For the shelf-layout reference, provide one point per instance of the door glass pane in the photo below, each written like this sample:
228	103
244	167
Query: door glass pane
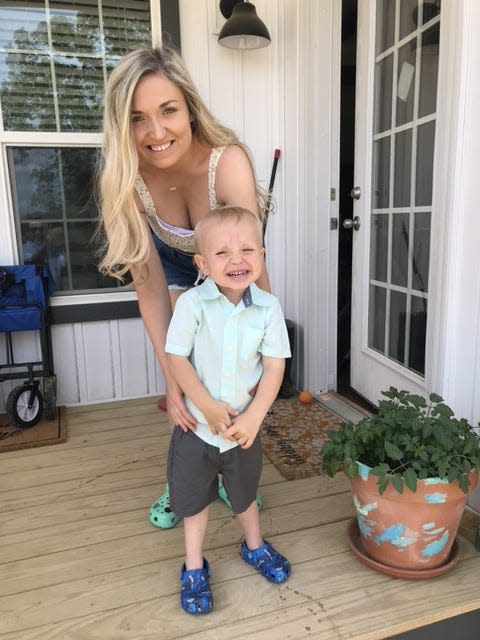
385	17
424	173
401	197
377	314
379	247
53	65
400	244
421	251
408	17
427	102
431	10
406	82
403	169
418	334
381	174
397	322
383	94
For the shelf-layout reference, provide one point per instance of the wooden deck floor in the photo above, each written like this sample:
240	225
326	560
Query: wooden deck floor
80	561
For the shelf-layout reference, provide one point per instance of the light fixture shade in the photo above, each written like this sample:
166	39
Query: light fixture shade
244	29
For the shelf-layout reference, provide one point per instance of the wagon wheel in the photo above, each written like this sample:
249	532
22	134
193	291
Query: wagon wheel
25	405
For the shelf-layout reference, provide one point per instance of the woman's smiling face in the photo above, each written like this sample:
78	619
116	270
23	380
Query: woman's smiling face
160	122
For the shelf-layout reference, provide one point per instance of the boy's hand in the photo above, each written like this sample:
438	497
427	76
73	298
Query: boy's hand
243	431
218	416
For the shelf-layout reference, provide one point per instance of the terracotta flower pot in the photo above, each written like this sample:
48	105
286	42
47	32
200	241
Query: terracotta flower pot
412	530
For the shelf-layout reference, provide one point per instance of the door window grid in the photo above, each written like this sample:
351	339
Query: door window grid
415	300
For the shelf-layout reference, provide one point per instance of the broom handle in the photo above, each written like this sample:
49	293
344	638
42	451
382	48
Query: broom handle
276	156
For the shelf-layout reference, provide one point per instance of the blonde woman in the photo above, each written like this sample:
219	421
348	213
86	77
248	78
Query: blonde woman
166	162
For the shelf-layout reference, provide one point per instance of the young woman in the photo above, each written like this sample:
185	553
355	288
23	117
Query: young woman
166	163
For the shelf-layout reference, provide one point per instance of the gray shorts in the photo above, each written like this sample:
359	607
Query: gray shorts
192	470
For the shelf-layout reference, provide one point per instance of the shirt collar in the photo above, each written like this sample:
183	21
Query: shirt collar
208	290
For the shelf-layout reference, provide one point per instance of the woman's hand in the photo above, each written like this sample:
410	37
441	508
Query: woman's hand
177	410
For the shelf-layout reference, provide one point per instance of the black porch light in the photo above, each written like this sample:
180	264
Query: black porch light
243	28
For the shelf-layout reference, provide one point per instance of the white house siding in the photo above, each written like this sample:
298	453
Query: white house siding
111	360
455	311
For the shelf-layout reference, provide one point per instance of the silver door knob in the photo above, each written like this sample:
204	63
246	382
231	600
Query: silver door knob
349	223
355	193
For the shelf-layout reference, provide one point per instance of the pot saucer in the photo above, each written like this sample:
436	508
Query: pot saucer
355	543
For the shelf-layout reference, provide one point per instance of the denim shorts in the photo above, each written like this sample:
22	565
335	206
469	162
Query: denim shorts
180	270
193	466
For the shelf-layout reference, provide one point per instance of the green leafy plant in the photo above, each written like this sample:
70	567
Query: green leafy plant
409	439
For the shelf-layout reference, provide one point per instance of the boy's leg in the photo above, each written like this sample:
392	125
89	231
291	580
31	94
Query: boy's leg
241	474
195	528
250	522
195	595
192	475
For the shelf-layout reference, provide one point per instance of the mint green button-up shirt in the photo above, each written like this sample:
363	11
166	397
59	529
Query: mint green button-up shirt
225	344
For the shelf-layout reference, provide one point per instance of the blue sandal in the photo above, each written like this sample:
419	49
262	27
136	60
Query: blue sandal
160	514
268	562
222	494
195	596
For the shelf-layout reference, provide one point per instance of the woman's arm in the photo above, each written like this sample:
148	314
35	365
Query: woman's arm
156	312
235	185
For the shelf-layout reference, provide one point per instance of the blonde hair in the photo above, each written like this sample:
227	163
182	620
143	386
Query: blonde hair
125	236
221	215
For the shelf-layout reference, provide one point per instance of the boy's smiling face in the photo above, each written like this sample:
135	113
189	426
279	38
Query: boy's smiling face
231	253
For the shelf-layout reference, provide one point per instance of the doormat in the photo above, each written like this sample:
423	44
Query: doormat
43	433
293	435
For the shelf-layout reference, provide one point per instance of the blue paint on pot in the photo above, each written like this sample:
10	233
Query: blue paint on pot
363	470
431	481
430	530
435	547
365	528
391	533
398	535
435	498
363	510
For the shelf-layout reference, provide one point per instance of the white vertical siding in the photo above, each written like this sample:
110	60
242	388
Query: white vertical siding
103	361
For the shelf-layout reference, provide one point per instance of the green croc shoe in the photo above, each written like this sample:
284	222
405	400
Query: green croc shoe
160	514
222	494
